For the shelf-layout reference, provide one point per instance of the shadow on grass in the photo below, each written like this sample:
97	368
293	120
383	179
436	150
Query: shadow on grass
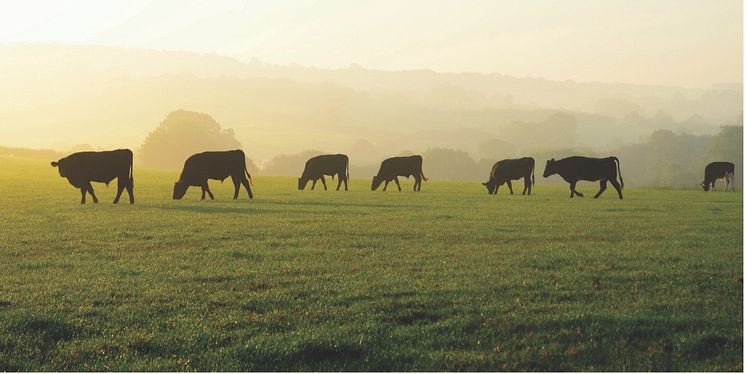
345	204
43	330
221	209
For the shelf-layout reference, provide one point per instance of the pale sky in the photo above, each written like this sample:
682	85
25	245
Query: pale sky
692	43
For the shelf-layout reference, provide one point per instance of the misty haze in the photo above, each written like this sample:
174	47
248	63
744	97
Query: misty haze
371	185
102	97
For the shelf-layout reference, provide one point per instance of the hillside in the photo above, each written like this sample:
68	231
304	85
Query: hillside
285	109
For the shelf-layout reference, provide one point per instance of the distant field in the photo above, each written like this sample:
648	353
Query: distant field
446	279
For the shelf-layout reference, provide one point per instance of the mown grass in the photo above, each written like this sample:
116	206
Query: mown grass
446	279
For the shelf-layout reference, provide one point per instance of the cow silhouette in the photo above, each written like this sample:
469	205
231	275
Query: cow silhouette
577	168
394	167
200	167
504	171
317	167
719	170
82	168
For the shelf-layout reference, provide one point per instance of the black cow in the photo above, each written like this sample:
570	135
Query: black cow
82	168
393	167
578	168
319	166
200	167
511	169
719	170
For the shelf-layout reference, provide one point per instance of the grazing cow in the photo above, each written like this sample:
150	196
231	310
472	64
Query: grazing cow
82	168
719	170
200	167
319	166
394	167
578	168
511	169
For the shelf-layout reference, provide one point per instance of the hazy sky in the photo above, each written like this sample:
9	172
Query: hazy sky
668	42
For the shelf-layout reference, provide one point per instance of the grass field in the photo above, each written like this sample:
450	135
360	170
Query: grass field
446	279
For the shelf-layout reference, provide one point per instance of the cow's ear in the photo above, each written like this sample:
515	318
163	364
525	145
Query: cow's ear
552	160
54	164
484	184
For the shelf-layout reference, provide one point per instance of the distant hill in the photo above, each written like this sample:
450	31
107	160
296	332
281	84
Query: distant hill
61	95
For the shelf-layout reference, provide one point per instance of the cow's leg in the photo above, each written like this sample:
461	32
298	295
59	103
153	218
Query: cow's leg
416	184
314	184
323	182
247	186
617	187
396	180
207	188
573	191
82	194
236	187
130	186
90	191
602	189
525	188
385	184
120	189
345	182
339	181
203	193
510	186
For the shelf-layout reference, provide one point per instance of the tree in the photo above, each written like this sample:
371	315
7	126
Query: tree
182	134
728	145
289	165
449	164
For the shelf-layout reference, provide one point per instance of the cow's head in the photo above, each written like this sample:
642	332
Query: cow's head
376	182
302	182
549	169
705	186
491	187
60	167
180	189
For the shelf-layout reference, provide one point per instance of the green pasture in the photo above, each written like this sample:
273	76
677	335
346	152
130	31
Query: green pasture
449	278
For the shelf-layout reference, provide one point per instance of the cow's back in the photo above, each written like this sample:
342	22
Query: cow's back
512	168
404	165
718	168
588	168
213	165
102	166
326	164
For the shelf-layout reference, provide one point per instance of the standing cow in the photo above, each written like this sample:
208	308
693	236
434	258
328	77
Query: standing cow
719	170
578	168
82	168
511	169
394	167
319	166
200	167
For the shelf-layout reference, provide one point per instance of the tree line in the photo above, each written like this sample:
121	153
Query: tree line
666	159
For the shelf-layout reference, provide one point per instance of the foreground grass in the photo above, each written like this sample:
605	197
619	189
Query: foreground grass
446	279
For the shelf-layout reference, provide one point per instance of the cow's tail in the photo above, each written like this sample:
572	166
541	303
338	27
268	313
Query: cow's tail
347	167
247	174
132	177
619	171
533	174
424	178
